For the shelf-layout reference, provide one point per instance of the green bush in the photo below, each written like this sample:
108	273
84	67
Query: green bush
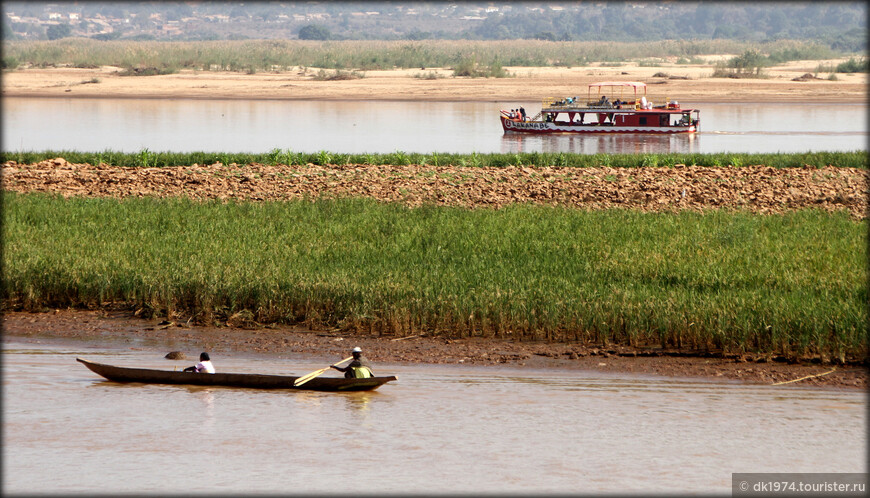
10	63
854	66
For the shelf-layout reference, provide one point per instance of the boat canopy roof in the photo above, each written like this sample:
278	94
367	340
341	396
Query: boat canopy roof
631	84
635	84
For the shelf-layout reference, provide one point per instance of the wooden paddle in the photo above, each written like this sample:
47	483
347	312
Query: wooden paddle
305	378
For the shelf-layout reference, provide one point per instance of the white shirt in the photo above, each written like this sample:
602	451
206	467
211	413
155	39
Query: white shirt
205	366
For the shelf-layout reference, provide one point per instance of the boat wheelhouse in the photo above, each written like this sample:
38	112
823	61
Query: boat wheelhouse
609	107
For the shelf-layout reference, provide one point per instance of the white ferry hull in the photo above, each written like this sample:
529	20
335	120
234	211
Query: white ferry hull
543	127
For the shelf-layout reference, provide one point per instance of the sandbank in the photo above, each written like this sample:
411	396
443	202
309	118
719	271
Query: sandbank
688	83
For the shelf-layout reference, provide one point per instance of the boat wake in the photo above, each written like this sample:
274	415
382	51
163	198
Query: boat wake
787	133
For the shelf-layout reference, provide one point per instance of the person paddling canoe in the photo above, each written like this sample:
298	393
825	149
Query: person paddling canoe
204	365
359	368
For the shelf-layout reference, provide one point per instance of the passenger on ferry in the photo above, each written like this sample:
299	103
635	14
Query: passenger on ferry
523	113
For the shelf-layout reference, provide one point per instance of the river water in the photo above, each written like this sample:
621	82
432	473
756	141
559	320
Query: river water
256	126
439	429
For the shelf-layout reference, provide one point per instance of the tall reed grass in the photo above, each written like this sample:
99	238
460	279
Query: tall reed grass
148	158
792	283
266	55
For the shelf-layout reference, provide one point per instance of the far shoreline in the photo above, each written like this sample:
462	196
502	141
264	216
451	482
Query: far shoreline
34	95
686	84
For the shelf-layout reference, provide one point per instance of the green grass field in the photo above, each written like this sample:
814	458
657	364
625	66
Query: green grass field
793	283
147	158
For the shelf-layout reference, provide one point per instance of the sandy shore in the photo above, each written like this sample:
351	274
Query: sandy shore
526	84
99	328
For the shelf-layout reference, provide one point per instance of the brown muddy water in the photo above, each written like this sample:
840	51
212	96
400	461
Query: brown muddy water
357	127
439	429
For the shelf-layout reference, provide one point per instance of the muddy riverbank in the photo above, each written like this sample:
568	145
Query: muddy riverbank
756	188
122	327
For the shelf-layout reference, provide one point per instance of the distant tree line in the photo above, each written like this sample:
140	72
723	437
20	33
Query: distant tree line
842	26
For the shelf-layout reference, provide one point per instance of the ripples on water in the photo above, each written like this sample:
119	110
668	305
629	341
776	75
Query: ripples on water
129	125
438	429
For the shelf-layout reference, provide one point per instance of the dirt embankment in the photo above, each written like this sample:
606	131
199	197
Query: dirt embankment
756	188
118	327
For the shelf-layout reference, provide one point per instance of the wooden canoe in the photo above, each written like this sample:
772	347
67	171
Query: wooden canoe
253	381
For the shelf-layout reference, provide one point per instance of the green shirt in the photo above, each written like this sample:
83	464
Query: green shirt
359	368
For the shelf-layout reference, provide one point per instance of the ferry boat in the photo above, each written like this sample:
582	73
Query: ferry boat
632	113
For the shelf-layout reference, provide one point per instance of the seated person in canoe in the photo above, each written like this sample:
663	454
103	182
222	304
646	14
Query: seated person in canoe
204	365
359	368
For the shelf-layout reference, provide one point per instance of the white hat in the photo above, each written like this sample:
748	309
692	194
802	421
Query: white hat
356	350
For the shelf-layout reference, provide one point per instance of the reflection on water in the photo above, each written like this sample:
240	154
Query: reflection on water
206	410
359	401
601	143
439	429
129	125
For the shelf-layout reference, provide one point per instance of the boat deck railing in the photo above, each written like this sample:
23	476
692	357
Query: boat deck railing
572	104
